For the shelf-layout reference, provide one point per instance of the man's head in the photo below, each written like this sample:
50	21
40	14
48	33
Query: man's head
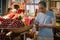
16	7
42	6
9	9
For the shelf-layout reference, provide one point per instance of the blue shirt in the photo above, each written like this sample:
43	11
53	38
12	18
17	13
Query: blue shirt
45	19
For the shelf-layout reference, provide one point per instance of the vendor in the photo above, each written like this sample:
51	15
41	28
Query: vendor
19	11
9	10
46	20
10	13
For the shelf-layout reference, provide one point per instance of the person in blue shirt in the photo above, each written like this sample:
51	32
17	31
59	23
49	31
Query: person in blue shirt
46	20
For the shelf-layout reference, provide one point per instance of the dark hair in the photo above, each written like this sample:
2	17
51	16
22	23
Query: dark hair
16	7
50	10
43	3
9	9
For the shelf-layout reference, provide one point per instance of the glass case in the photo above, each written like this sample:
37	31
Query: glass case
32	5
37	1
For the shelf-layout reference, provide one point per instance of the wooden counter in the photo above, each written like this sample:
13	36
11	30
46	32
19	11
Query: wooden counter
21	29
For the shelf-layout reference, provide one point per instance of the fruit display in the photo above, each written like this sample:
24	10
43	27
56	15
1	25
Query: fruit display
11	23
57	24
16	23
5	23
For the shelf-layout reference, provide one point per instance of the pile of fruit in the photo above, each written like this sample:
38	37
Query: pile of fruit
57	24
11	23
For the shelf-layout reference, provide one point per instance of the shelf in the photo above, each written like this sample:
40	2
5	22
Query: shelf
58	20
58	27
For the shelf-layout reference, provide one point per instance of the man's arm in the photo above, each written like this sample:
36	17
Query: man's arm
53	24
53	20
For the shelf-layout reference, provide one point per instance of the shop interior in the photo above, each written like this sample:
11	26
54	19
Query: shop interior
28	10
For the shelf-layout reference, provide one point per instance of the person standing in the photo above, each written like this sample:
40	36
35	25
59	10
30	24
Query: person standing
46	20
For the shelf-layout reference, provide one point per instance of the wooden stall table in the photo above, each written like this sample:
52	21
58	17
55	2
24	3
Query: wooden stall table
21	30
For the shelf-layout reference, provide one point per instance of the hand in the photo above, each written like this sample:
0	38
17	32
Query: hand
41	25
